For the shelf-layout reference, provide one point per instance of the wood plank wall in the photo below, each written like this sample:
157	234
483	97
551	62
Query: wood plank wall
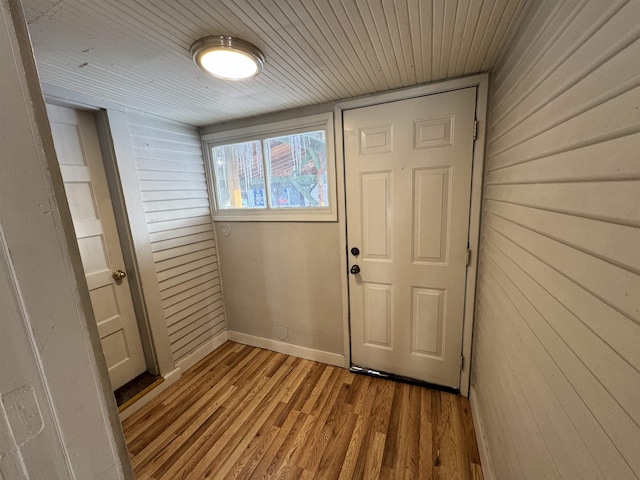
171	175
557	341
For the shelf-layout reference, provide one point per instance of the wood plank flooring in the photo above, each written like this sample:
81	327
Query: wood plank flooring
244	412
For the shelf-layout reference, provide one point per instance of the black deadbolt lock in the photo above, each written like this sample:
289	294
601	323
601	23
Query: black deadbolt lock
355	251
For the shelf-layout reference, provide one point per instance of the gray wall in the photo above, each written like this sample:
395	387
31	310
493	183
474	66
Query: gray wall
283	274
556	353
171	179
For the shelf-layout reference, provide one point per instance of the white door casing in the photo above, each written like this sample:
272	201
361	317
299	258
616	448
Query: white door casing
408	168
78	151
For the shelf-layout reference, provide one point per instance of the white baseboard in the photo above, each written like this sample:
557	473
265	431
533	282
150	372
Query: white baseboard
288	349
202	351
169	379
485	458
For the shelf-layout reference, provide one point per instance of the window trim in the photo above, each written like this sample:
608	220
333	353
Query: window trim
261	132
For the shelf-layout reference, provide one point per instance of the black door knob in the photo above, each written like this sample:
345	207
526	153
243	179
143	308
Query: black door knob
355	251
355	269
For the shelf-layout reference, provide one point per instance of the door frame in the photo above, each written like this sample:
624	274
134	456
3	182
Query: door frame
52	303
119	164
481	82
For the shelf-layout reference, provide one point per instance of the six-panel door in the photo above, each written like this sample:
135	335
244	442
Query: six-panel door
408	182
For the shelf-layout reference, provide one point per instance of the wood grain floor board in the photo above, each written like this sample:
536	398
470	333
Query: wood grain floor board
247	413
183	396
425	462
355	443
191	453
266	411
237	429
289	466
184	424
413	439
191	415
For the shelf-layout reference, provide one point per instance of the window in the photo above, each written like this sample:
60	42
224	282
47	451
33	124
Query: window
281	171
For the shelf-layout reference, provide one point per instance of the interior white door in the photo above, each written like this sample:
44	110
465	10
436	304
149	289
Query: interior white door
78	150
408	183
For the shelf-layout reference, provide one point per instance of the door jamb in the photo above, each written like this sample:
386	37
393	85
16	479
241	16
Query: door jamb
481	82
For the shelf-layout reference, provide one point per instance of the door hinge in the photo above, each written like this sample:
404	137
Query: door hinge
475	130
461	362
468	257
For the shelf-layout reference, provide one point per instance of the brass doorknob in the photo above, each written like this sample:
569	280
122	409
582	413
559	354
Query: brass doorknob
118	274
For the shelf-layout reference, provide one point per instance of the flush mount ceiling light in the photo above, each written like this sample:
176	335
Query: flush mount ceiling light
228	58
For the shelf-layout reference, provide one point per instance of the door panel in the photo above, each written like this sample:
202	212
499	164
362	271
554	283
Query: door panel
78	151
431	217
408	183
378	316
427	321
376	198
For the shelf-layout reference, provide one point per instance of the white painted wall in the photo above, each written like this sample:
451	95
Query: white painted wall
58	417
175	199
556	364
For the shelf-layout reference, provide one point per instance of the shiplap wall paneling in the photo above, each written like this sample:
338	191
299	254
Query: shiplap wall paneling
171	174
556	357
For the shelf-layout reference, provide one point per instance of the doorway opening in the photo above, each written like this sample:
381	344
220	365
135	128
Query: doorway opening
410	222
109	274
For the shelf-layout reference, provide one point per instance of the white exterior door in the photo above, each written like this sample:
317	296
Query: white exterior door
76	141
408	184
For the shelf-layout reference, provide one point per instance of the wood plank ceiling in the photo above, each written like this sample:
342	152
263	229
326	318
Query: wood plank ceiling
136	52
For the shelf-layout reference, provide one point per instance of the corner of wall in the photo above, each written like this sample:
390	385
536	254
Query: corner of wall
485	457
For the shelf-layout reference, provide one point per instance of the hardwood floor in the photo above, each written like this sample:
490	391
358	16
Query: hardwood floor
244	412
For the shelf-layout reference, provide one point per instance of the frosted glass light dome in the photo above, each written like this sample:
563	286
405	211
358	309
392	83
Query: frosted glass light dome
227	57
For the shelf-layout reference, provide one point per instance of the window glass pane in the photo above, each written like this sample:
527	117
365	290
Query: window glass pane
239	175
297	167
